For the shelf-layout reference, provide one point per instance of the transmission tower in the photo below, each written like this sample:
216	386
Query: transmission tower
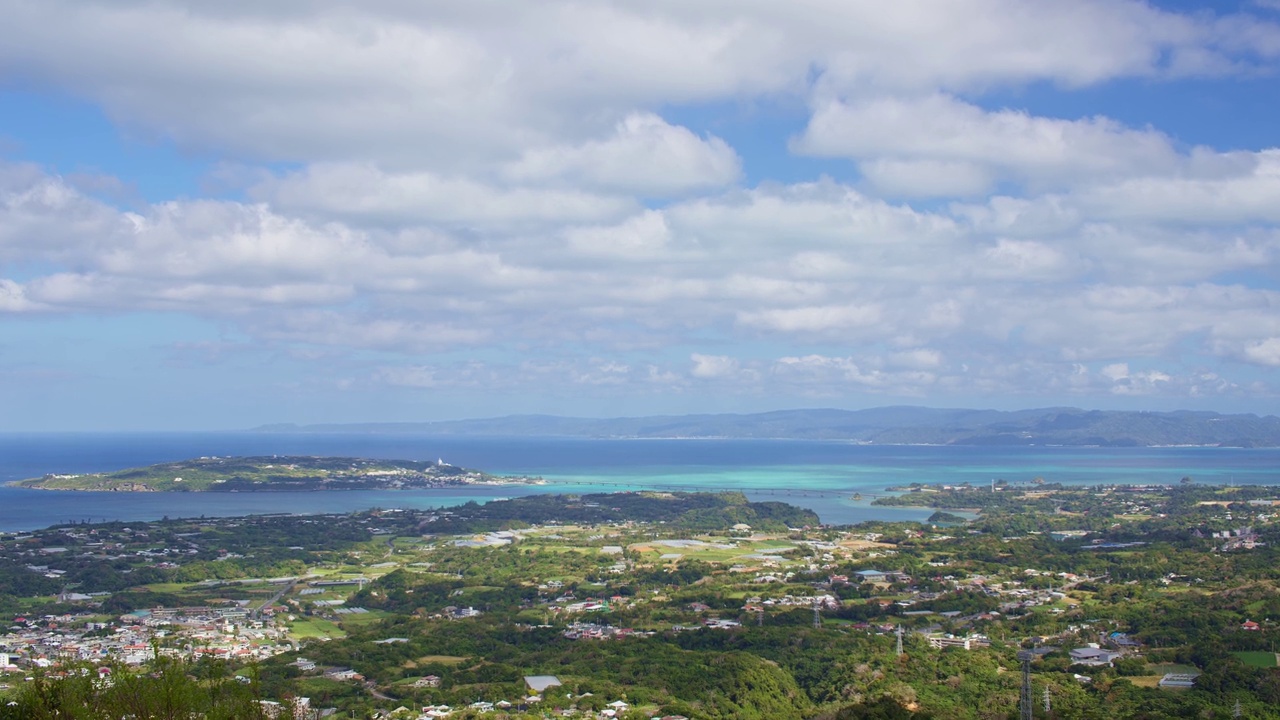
1047	709
899	634
817	615
1237	711
1024	703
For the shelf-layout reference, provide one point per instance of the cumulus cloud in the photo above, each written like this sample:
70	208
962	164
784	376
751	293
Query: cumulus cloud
813	319
363	193
941	145
712	366
1264	352
645	156
1234	188
646	235
944	288
425	181
338	80
13	297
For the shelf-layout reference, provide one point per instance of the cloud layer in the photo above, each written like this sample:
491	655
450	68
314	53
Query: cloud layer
499	198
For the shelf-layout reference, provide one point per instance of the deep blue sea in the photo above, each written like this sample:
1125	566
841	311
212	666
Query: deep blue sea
816	474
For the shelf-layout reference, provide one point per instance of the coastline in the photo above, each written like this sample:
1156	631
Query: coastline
531	482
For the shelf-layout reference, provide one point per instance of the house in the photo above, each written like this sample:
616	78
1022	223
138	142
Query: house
968	643
1093	656
539	683
1250	625
1122	640
429	681
1177	680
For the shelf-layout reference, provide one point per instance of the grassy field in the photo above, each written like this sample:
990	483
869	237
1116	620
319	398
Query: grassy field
1161	670
1257	658
315	627
443	659
1158	671
365	618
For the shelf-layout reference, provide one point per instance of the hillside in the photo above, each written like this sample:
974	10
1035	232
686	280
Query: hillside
888	425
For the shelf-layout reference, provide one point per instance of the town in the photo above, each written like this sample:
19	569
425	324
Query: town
1155	600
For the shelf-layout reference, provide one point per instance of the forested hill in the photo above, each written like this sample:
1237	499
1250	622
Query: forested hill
888	425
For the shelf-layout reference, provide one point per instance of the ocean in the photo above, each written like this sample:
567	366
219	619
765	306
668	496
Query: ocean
821	475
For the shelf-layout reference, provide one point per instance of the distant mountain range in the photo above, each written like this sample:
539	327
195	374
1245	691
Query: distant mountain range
881	426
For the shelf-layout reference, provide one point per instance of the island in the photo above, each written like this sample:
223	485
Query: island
276	473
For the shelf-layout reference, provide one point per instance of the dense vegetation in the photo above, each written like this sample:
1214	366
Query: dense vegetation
657	600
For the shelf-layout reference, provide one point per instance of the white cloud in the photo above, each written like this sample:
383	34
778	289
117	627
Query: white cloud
645	156
938	144
933	301
1116	371
712	366
1023	259
13	298
414	376
822	374
919	358
814	319
1264	352
1234	188
434	85
643	236
927	177
363	193
551	187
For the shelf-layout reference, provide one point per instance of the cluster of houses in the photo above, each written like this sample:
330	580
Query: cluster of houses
1240	539
596	631
224	632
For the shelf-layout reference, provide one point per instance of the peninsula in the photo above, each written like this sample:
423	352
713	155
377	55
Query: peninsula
276	473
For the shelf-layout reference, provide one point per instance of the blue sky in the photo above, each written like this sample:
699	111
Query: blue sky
223	216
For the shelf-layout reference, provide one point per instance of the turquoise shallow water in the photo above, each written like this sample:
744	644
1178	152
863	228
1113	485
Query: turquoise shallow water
819	475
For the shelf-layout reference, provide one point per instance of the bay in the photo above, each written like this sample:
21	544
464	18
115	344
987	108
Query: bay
821	475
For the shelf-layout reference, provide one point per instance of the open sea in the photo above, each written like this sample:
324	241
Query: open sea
820	475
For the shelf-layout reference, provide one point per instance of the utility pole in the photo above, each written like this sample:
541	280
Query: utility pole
1024	703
